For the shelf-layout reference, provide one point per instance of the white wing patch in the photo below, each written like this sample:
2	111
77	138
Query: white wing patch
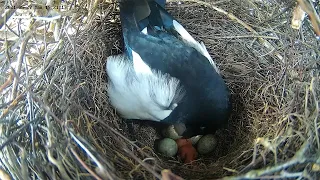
188	39
139	65
145	96
145	31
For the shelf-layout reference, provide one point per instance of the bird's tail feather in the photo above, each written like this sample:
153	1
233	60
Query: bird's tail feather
138	14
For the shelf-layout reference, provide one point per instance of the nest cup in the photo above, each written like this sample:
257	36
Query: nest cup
57	123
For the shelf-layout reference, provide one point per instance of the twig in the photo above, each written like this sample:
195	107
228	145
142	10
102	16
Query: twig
54	160
317	110
126	150
20	60
85	147
264	42
254	159
18	98
308	7
84	164
15	134
45	107
53	52
145	165
92	9
243	36
8	81
283	176
299	157
12	105
24	166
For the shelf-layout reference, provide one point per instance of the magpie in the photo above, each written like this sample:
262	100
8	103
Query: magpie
164	74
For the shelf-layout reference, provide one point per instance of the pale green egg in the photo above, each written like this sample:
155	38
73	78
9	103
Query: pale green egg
206	144
167	147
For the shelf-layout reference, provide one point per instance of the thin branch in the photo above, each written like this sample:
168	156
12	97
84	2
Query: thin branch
298	158
20	60
264	42
308	7
84	164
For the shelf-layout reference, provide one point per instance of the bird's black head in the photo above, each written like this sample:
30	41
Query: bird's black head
202	116
206	105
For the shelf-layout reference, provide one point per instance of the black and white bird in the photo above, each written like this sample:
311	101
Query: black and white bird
164	74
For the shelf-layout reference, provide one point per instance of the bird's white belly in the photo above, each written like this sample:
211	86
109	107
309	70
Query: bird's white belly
141	93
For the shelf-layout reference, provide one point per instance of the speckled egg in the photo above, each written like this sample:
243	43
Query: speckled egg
206	144
167	147
169	132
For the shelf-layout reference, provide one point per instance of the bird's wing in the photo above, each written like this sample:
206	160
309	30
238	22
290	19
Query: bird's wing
150	18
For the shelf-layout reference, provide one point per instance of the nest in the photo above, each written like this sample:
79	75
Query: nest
56	121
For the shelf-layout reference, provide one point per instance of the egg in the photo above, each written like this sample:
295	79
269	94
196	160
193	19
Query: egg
206	144
170	132
195	139
167	147
187	153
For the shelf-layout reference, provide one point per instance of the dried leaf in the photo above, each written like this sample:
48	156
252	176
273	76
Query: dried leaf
298	16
